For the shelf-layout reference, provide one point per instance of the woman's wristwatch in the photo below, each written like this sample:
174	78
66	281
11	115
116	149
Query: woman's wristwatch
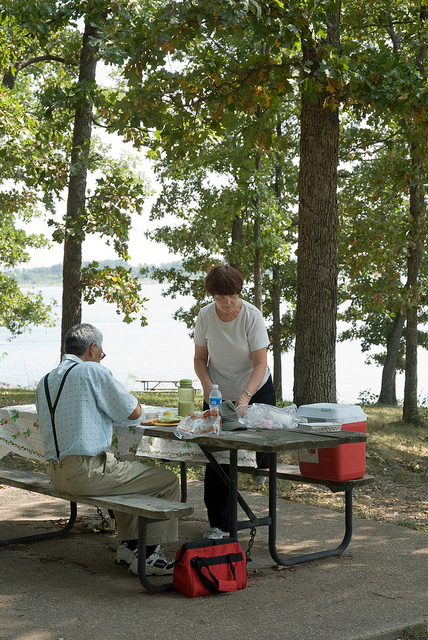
247	393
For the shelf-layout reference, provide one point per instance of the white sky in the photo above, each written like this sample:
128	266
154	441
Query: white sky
141	250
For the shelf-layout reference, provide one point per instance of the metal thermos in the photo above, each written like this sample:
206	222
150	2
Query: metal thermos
186	397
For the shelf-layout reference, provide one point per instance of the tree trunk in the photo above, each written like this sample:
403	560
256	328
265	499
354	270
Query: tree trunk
316	307
258	298
410	404
416	247
276	292
276	330
417	205
74	232
388	394
237	236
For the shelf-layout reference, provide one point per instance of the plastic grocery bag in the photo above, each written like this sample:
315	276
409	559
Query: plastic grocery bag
197	424
265	416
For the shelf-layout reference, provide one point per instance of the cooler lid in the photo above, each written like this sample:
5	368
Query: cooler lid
332	412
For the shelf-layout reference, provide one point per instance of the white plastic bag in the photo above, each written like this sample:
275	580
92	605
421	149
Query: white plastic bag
265	416
197	424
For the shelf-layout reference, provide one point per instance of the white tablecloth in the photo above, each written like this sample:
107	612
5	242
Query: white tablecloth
20	433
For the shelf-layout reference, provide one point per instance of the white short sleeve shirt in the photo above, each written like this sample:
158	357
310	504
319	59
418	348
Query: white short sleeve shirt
91	400
230	346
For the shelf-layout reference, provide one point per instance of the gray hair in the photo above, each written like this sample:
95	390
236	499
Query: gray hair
80	337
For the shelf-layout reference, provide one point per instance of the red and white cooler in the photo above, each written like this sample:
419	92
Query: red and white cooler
345	462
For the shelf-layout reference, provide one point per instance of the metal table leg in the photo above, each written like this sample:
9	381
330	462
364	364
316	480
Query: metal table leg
48	534
183	481
233	494
142	546
235	498
307	557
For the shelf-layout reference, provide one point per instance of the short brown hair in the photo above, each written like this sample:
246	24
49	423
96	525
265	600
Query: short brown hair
223	280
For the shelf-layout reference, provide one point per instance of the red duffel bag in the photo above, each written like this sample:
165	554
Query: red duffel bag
210	566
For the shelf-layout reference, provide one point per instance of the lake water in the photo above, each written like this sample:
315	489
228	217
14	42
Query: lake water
164	350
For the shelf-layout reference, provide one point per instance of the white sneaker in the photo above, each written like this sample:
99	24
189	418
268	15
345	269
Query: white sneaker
215	534
156	565
124	555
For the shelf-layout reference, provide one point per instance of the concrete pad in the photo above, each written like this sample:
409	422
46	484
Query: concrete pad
69	588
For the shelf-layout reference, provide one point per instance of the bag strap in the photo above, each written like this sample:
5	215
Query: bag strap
52	408
209	580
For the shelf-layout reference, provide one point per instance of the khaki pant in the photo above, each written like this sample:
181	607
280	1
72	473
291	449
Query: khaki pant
104	475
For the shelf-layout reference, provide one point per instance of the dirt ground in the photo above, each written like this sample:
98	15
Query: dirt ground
70	589
384	501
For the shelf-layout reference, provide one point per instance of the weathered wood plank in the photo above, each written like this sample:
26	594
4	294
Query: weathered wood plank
292	472
138	504
268	440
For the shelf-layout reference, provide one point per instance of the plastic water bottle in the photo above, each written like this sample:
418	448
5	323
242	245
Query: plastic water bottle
215	397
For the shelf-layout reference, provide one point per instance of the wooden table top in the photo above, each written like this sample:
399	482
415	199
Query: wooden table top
268	440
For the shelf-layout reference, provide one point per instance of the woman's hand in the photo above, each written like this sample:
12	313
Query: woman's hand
242	400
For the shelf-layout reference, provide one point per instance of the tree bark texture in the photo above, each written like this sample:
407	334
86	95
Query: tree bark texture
258	297
76	200
276	331
316	307
416	247
388	391
237	238
276	293
417	207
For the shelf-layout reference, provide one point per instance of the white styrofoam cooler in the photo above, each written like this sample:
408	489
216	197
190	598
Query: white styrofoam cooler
345	462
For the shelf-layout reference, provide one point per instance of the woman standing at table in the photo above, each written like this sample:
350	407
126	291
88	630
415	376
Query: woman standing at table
230	350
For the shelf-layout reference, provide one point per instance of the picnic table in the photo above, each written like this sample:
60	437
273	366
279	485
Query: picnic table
159	385
19	432
162	385
272	442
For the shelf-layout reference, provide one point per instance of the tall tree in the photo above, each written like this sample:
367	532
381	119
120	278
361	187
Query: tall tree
315	352
18	200
227	58
393	87
418	145
79	162
50	48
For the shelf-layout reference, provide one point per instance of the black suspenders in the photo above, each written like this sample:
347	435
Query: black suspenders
52	408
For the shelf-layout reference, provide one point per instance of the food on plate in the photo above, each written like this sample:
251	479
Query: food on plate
168	419
169	416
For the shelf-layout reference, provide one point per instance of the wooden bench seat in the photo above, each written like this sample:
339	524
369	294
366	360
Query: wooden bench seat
292	472
147	508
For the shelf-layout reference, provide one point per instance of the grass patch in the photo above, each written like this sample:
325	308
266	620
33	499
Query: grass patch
10	397
420	632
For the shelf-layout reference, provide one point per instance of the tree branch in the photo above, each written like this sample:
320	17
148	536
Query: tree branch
10	77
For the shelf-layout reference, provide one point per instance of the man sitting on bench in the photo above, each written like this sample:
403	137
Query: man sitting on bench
77	404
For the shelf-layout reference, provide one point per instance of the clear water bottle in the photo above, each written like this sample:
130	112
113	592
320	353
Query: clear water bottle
215	397
186	397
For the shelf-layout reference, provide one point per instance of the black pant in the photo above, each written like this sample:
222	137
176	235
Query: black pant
216	494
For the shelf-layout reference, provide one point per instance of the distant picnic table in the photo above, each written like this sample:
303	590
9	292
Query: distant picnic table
161	385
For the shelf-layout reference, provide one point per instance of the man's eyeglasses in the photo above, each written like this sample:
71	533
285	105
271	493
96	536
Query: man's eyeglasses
103	355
